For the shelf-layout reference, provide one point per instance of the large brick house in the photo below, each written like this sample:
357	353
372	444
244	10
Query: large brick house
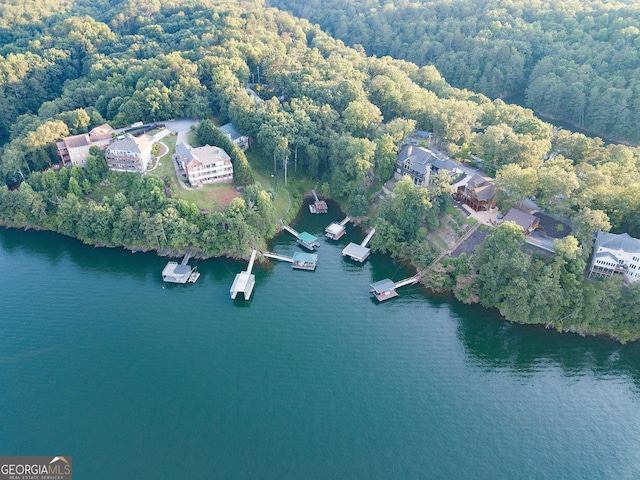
74	150
204	164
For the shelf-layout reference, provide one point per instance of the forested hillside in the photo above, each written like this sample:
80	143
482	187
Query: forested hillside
576	60
340	115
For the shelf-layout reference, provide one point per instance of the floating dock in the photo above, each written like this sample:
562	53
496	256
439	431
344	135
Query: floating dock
336	230
175	272
299	261
361	252
244	281
386	289
319	206
305	239
304	261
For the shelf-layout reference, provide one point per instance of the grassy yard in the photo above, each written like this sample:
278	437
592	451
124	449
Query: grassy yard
262	170
218	196
208	197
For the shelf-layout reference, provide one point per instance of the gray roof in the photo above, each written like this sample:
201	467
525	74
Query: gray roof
622	242
205	155
444	165
383	286
420	158
482	187
355	250
230	129
182	269
131	144
184	150
608	255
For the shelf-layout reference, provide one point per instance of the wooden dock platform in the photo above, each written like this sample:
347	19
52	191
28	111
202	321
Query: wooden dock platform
244	281
318	206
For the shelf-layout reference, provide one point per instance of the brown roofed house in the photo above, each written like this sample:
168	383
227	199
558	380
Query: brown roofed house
478	193
74	149
527	221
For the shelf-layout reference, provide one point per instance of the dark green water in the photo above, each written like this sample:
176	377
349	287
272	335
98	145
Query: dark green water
310	379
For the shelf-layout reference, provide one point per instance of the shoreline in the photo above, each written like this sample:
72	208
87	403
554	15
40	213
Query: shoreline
359	223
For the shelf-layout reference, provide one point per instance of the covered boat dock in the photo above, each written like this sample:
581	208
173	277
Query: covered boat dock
336	230
383	290
244	281
175	272
361	252
304	261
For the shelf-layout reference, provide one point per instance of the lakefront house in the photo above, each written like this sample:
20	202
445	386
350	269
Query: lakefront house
204	164
74	150
616	255
478	193
230	131
129	154
420	163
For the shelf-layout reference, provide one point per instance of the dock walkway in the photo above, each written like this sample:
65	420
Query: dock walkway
244	281
277	256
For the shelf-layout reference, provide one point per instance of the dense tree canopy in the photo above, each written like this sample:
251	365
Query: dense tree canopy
575	60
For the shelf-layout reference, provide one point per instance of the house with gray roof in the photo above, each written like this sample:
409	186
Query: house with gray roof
129	154
616	255
204	164
478	193
525	220
416	163
235	136
420	163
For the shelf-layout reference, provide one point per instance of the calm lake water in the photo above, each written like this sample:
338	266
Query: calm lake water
311	379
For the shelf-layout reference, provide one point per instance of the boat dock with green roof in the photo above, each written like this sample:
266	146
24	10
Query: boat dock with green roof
305	239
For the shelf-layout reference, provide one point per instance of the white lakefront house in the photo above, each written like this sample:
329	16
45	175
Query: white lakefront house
616	255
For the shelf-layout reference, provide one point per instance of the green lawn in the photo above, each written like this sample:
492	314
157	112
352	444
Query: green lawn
262	170
165	169
212	196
